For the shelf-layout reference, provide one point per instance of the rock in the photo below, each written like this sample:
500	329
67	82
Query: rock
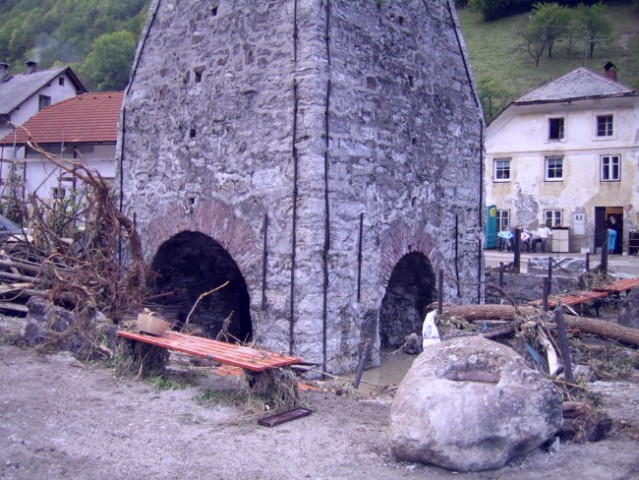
471	404
629	310
412	344
583	373
57	327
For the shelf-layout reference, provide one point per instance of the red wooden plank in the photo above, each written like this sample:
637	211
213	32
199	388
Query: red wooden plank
248	358
570	300
619	286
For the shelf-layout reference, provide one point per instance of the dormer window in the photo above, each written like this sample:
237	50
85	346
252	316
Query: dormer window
556	128
43	101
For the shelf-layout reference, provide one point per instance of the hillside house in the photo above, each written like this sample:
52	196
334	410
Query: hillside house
566	155
24	95
82	128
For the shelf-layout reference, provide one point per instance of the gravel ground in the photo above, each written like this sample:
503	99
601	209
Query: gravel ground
63	419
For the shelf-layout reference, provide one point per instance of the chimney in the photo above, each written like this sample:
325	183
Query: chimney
31	67
4	70
610	71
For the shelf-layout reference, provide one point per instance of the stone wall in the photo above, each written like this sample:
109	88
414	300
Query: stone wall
318	142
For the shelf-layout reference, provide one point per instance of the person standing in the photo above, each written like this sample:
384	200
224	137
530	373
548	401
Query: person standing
611	226
544	233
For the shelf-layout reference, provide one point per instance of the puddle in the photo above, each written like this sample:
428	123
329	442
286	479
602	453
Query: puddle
392	370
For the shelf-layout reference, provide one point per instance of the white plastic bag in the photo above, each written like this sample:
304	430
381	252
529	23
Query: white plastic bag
430	334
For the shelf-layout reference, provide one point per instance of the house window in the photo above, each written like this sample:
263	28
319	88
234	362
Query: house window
503	219
502	169
554	168
43	101
604	126
610	168
553	218
58	193
555	128
61	81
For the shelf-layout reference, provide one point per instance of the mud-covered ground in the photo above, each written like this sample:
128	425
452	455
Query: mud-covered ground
64	419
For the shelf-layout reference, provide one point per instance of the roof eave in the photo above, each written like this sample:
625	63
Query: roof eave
76	80
574	99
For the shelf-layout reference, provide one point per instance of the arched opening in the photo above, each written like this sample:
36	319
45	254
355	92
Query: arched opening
190	264
411	288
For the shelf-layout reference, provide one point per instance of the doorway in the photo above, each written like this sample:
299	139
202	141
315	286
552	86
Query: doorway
411	288
602	214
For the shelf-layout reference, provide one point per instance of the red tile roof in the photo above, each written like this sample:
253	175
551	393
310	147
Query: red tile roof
87	118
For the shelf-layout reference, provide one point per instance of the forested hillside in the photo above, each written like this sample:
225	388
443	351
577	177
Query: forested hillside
509	55
96	37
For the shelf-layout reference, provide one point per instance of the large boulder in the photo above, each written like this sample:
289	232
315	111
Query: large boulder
629	310
471	404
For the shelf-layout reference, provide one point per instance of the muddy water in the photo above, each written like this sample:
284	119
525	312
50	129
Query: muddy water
391	372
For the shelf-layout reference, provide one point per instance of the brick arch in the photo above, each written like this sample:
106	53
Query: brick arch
402	241
409	291
217	220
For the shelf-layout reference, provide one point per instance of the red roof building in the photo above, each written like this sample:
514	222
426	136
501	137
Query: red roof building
87	118
82	128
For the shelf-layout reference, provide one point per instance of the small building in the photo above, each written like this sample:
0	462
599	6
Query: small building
566	155
82	128
24	95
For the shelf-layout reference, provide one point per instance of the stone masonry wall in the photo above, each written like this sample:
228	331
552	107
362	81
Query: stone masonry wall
283	129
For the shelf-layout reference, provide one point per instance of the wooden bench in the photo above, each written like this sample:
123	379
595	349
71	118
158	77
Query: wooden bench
254	359
569	299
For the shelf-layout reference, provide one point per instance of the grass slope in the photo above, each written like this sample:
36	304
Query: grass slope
506	73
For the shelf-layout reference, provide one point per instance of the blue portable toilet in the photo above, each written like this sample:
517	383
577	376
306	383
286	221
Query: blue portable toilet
490	227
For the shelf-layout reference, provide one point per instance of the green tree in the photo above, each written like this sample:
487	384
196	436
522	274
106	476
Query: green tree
592	22
549	22
494	97
108	64
495	9
532	43
51	31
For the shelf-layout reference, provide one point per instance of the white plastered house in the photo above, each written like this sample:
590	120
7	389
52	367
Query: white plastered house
567	154
81	129
23	95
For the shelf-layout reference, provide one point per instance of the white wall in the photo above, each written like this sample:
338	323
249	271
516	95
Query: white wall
57	92
42	176
524	138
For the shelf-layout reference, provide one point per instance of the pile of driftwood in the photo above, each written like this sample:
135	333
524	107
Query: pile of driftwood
71	251
509	315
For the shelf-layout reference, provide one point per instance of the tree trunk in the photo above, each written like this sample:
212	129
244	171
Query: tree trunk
601	328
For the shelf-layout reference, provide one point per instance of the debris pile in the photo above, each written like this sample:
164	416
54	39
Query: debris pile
596	349
70	254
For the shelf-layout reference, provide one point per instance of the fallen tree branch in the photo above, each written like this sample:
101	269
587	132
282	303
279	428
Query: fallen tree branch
602	328
199	299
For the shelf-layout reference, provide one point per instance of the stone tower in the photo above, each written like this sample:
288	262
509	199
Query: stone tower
322	156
